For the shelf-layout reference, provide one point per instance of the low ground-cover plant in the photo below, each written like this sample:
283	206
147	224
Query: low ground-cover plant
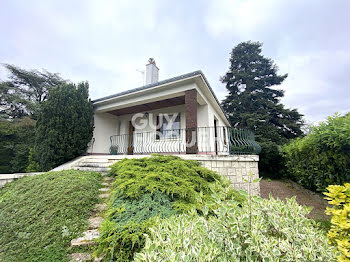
275	231
40	215
157	186
321	158
339	234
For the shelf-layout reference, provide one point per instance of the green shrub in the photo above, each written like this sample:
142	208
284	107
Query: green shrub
275	231
339	234
17	137
65	125
157	186
270	159
40	215
321	158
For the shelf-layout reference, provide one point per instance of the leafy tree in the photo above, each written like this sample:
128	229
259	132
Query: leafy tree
12	105
16	138
64	126
25	90
252	102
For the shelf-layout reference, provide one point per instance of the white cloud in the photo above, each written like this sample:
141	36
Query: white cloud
104	42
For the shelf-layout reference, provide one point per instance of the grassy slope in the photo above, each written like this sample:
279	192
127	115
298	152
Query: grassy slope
39	215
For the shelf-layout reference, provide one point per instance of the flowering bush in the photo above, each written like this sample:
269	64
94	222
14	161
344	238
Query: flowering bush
339	234
275	231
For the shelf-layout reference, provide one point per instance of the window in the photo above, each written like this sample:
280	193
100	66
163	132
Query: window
168	129
224	133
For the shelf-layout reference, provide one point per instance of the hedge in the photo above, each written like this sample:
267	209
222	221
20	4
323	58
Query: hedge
321	158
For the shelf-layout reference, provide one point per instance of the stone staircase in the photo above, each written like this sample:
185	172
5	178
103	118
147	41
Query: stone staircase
97	164
95	220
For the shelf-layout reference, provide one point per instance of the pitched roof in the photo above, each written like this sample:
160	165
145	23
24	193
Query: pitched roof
166	81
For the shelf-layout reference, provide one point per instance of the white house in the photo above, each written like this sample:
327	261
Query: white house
180	115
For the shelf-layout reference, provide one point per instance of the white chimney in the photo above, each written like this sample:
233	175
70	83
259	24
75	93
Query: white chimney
151	72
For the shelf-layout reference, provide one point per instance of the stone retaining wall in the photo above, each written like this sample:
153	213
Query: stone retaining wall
6	178
235	168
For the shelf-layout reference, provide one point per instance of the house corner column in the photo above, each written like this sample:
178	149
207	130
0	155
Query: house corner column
191	121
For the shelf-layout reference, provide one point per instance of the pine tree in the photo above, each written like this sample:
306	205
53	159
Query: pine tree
65	125
253	102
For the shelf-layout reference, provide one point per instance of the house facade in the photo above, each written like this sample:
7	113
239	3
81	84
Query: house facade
180	115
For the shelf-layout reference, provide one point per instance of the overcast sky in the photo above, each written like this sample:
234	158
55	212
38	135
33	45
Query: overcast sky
104	42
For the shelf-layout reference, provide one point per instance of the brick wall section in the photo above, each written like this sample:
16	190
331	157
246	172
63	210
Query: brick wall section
191	121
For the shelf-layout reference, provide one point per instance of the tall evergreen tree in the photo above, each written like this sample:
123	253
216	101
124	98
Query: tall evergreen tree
25	90
253	102
65	125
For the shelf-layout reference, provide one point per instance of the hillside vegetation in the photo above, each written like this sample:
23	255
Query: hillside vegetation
146	188
40	215
322	158
164	208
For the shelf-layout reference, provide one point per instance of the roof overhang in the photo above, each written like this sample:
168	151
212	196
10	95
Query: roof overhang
162	90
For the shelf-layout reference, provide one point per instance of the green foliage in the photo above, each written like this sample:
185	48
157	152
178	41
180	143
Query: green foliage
65	125
339	234
184	181
275	231
119	243
156	186
33	166
138	210
22	93
323	224
17	137
40	215
321	158
127	222
251	102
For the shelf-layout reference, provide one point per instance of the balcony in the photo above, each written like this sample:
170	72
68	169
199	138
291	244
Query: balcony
201	140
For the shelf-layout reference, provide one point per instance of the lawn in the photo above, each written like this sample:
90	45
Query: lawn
40	215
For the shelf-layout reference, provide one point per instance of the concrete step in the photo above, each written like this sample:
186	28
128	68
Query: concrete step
95	222
106	184
87	239
99	160
100	207
95	169
104	189
107	179
106	195
82	257
94	164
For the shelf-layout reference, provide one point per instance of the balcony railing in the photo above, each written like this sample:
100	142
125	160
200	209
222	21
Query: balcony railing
205	140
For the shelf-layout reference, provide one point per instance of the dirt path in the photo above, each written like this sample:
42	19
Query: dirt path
283	189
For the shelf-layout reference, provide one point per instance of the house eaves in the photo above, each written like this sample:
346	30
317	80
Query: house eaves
165	82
